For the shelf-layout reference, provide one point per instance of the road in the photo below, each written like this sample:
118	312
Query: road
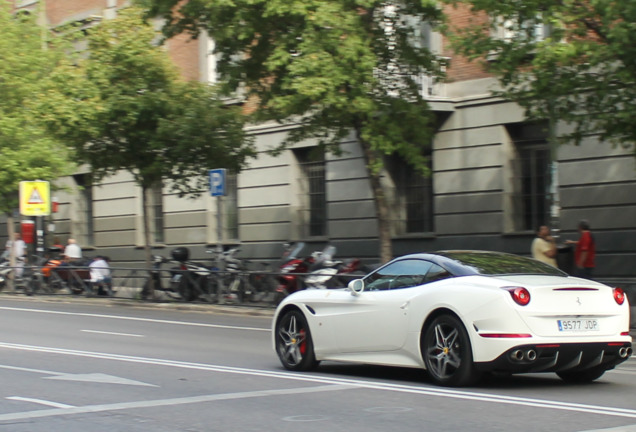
101	366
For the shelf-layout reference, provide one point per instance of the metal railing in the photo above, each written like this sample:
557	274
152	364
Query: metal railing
242	287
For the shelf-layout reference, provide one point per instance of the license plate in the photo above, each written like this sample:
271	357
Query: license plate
578	325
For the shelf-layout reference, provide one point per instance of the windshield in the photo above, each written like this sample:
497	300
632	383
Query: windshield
495	263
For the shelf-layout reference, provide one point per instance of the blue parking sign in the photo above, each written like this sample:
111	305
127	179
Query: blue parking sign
217	182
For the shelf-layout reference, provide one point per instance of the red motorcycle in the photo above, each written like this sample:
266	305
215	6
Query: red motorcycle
317	270
291	264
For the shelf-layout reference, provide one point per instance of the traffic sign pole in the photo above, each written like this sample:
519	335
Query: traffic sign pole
35	200
217	180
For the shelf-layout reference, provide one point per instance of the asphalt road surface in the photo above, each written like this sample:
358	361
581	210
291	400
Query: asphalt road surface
71	365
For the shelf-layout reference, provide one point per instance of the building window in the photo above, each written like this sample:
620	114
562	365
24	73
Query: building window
312	186
156	214
82	223
411	199
531	176
230	207
532	30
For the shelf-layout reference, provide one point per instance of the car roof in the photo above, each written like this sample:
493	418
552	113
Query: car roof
452	260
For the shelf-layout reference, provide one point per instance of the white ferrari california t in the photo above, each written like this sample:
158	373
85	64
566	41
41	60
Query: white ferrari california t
458	314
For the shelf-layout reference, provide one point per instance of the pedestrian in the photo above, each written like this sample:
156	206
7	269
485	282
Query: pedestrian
585	252
544	246
72	251
17	249
100	275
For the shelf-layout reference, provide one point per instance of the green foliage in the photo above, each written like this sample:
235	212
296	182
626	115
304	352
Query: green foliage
333	66
135	114
28	58
583	72
331	62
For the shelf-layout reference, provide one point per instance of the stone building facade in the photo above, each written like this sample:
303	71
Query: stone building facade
487	189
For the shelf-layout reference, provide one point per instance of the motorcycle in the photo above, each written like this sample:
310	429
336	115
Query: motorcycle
290	266
318	270
190	279
351	269
5	269
322	269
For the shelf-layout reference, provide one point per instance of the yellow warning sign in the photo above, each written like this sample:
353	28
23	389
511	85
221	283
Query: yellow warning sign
35	198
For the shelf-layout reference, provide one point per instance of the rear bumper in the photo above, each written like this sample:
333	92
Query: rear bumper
559	357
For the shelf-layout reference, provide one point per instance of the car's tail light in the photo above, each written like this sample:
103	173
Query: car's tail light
520	295
619	295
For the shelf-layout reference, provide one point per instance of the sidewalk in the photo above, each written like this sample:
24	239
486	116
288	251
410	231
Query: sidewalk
128	302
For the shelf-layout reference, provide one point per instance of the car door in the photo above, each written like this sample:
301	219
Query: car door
377	319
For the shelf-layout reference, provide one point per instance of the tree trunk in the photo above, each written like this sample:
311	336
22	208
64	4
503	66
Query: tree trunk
147	242
12	261
379	199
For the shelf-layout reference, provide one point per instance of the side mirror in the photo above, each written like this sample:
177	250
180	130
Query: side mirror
356	287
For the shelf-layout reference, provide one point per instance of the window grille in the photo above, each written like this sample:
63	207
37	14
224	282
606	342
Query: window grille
534	182
83	225
412	203
156	214
313	187
230	207
531	176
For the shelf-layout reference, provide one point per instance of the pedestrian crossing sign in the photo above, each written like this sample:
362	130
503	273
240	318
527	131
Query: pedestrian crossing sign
35	198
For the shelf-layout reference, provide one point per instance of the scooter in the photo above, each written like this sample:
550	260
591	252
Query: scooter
322	269
190	279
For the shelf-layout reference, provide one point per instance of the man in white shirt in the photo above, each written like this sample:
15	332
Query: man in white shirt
17	250
72	252
100	275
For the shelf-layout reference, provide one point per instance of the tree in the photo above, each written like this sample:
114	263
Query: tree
29	152
334	66
137	116
571	60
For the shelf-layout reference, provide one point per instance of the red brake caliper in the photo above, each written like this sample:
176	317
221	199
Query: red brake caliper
303	344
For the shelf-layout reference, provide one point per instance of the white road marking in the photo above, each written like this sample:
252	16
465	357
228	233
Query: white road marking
418	390
164	402
41	402
159	321
93	377
99	378
113	333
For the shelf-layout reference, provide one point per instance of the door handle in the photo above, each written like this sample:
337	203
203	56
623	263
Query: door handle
406	304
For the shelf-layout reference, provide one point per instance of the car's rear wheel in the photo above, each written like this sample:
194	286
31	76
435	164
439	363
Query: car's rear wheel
447	352
581	377
294	345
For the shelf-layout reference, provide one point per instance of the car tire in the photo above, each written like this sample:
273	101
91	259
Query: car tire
294	344
582	377
447	352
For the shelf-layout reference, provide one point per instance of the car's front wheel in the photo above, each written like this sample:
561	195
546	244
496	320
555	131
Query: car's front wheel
294	345
447	352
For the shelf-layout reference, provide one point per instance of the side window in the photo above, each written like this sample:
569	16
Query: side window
436	273
401	274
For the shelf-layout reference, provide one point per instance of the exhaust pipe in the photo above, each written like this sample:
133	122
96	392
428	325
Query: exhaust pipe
531	355
629	351
517	355
624	352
